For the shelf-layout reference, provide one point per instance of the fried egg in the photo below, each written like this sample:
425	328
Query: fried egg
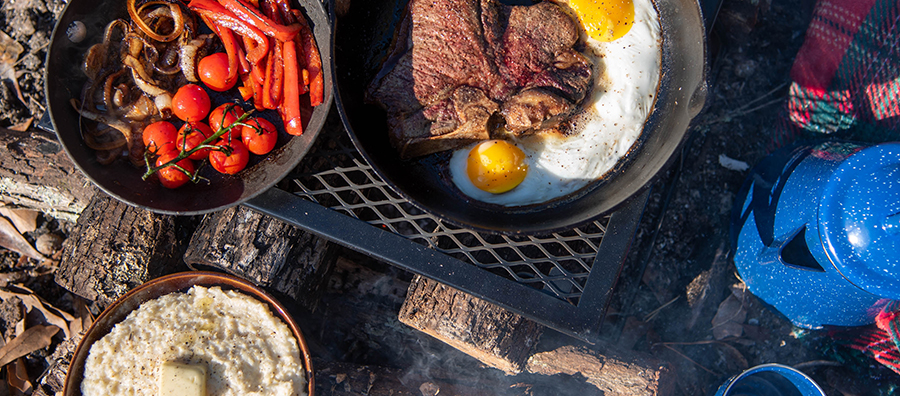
626	57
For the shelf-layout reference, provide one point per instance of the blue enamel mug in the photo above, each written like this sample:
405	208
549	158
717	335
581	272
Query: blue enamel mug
816	231
770	380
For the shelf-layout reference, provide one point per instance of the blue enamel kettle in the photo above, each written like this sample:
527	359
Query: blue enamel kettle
816	231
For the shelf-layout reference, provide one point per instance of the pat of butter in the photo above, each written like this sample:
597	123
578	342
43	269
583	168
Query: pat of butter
179	379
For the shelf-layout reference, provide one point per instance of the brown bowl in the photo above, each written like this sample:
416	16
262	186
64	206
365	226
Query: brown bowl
179	282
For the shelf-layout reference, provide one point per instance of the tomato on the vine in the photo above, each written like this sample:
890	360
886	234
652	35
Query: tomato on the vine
219	118
170	176
260	136
230	163
190	136
213	71
191	103
157	134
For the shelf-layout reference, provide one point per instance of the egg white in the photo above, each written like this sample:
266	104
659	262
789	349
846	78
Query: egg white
610	123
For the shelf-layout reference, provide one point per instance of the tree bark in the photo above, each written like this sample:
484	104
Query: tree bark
36	173
491	334
266	251
115	247
616	373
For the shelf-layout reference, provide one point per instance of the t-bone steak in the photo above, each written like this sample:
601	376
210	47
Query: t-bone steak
460	68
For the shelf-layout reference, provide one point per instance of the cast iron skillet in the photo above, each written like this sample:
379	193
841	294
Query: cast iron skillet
64	80
362	38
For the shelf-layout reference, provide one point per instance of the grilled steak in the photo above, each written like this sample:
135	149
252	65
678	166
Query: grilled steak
457	63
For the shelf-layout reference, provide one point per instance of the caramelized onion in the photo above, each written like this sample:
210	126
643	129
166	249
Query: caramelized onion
175	13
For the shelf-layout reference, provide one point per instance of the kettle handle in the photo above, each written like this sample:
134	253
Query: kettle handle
791	250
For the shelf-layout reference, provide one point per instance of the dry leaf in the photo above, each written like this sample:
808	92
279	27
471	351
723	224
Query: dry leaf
83	314
17	378
32	339
25	220
735	360
23	126
52	315
729	318
11	239
10	49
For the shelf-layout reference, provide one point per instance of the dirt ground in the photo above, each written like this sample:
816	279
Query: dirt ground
681	247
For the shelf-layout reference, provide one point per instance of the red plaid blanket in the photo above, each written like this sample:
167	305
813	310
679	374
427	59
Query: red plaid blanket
846	76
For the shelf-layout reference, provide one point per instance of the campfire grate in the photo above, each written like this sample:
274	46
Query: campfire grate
562	280
336	176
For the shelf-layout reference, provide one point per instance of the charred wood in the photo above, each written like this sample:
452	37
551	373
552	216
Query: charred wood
115	247
615	372
36	173
491	334
266	251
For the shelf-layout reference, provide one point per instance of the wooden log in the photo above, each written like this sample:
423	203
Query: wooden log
615	372
493	335
264	250
115	247
36	173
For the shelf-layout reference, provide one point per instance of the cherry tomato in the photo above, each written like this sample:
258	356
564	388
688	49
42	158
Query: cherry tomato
191	135
219	119
230	163
213	70
170	176
260	137
157	134
166	148
191	103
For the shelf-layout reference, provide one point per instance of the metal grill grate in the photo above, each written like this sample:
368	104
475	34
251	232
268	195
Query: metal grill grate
333	174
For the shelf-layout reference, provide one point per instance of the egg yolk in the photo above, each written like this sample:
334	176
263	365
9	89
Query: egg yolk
496	166
605	20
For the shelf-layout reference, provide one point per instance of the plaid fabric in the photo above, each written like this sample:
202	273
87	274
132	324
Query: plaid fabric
881	342
846	81
846	76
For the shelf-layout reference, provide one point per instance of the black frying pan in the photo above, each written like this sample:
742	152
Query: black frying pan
64	80
362	37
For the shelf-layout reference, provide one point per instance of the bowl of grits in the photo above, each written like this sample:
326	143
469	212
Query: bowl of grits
201	333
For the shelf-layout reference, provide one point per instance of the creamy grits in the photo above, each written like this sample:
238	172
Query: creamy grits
246	349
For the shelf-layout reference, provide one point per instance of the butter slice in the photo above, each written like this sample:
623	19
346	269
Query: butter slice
178	379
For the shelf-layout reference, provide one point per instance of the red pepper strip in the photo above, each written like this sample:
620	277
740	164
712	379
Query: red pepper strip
243	62
267	101
246	88
256	69
311	62
278	74
231	48
290	108
219	15
286	12
252	15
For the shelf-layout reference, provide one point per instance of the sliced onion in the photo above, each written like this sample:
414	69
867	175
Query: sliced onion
175	11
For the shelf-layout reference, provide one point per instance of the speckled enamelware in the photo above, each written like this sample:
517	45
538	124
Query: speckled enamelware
179	282
817	231
770	379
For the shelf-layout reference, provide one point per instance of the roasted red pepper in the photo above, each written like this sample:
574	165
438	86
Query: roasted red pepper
254	17
290	108
215	13
311	62
231	49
